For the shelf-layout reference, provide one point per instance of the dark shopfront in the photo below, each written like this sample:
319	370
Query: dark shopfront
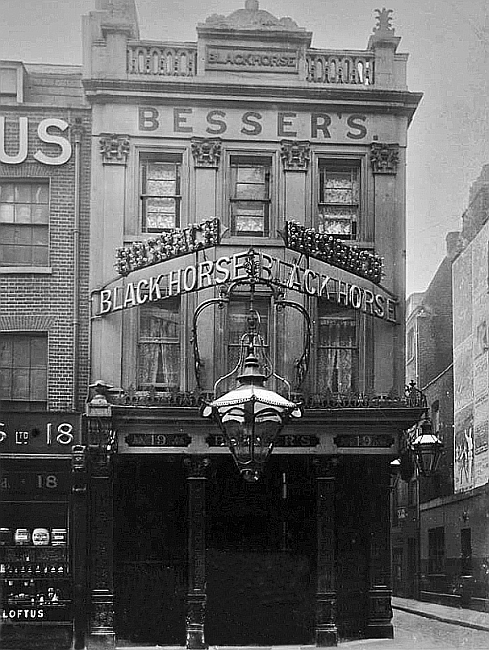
199	555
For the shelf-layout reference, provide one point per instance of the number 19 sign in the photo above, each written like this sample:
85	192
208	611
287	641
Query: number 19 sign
38	433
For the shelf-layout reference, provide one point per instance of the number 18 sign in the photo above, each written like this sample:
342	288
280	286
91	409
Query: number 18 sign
39	433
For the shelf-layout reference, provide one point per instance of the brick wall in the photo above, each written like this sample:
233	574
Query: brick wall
44	301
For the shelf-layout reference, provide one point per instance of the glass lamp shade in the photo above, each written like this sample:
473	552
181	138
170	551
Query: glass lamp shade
251	418
427	448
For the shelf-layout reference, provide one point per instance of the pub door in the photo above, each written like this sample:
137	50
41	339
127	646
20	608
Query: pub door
150	540
261	545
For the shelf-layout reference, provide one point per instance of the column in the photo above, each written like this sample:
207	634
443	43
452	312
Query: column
101	634
379	616
326	630
79	543
196	591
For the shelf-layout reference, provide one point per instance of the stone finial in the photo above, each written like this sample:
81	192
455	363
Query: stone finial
295	155
114	149
206	152
384	158
384	19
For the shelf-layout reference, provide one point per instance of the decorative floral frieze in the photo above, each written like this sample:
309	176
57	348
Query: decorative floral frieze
206	152
384	158
295	155
114	149
328	249
167	246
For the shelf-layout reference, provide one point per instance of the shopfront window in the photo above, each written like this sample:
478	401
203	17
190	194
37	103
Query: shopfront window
160	192
250	196
159	345
337	358
24	223
338	201
23	368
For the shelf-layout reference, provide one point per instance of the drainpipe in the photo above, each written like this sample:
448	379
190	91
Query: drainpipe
77	131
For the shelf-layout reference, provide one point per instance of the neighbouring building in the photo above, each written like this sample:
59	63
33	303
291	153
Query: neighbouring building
440	533
44	311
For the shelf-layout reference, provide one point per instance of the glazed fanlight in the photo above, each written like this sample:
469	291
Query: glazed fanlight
251	418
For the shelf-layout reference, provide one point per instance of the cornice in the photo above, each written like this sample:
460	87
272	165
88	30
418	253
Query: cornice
131	91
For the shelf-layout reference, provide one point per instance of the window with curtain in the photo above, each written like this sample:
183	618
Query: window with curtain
159	345
24	223
160	192
338	201
23	367
250	196
237	315
337	358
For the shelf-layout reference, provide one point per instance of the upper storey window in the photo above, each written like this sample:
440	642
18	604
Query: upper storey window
250	196
24	223
23	368
338	204
160	192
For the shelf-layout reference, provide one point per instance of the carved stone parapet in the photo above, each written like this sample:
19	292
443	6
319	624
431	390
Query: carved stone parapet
296	155
114	148
384	158
206	152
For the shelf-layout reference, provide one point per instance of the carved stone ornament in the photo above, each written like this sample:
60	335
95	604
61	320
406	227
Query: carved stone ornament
384	21
114	149
295	155
206	152
384	158
252	17
196	466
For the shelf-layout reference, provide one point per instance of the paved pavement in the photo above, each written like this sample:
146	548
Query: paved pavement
455	615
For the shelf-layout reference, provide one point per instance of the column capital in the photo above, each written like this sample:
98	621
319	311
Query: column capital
295	154
384	158
325	466
206	152
196	466
114	148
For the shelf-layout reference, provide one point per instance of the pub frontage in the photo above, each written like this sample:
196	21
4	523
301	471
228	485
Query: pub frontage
247	389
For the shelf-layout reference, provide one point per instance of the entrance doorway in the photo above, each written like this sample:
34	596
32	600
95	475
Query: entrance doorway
261	546
150	541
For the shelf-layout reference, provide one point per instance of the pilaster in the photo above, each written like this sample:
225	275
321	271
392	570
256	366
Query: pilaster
196	592
326	629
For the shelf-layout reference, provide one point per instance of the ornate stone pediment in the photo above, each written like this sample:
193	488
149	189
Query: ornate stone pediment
252	17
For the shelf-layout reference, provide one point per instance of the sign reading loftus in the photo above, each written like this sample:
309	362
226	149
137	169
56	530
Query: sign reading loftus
250	60
322	280
45	134
317	125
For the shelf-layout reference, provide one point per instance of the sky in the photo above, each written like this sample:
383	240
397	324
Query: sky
448	44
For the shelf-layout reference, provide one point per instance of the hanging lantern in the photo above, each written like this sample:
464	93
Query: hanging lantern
427	449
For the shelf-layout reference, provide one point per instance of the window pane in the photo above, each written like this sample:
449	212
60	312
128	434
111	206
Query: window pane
40	193
38	351
20	384
21	351
6	192
5	383
336	370
39	256
161	171
247	223
39	235
6	212
40	214
251	191
334	226
38	384
161	188
254	174
159	347
338	195
6	353
22	193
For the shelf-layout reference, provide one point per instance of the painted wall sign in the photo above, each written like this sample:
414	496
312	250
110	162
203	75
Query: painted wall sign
48	131
314	125
38	433
317	279
251	59
364	440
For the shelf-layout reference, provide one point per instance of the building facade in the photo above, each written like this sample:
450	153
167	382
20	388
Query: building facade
44	246
246	169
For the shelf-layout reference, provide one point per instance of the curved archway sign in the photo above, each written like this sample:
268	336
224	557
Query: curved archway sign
306	274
